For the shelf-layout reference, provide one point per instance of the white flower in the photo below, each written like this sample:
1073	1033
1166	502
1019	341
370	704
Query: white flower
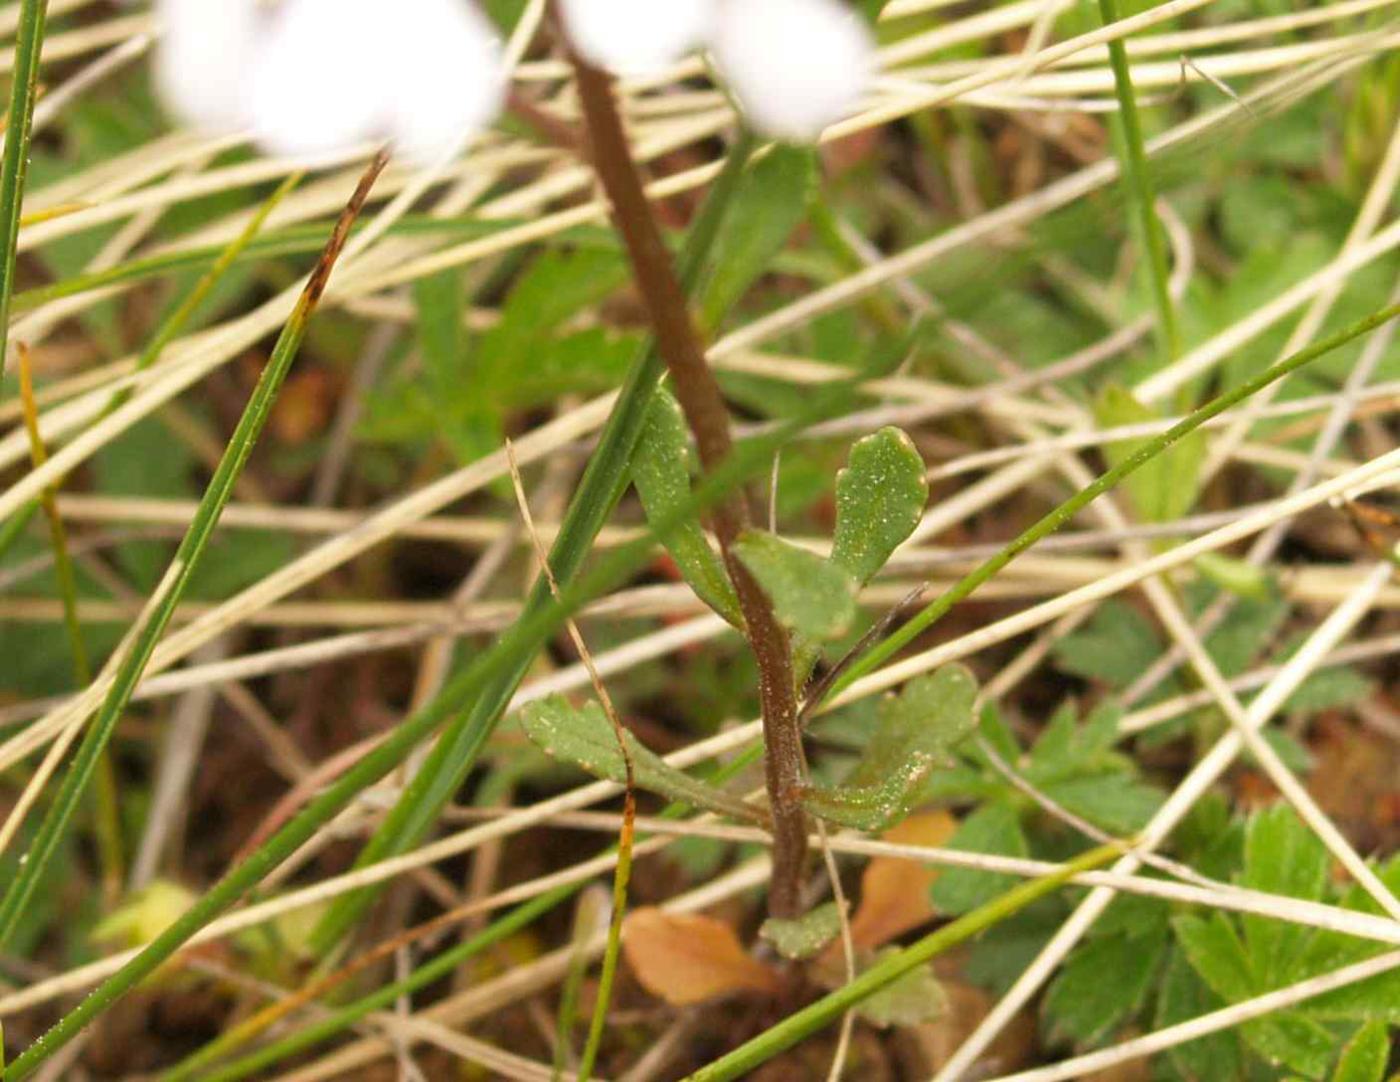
636	37
318	77
201	66
450	81
795	66
319	86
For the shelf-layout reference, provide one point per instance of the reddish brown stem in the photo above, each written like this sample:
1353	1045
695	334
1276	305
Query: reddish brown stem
678	343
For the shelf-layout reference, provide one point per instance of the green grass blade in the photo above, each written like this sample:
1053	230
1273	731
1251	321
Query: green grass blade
604	481
1066	511
1137	178
29	42
831	1007
159	610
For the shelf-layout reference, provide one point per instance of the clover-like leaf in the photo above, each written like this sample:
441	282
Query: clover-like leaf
805	936
880	497
661	472
585	738
915	734
811	596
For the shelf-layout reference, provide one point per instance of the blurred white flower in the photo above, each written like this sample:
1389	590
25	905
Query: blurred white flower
637	37
795	66
318	77
450	78
201	66
319	86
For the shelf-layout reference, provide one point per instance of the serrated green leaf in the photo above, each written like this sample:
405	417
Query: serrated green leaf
1117	802
911	1000
584	737
810	596
661	472
915	733
807	935
1291	1039
1281	856
1164	488
880	498
1365	1057
1217	954
1065	746
770	203
1116	646
1182	995
995	829
1102	985
1241	578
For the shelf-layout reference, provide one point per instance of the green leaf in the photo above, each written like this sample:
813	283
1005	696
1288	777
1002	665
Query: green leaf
1281	856
1118	802
584	737
804	937
1365	1057
880	498
1239	577
910	1000
1164	488
1102	985
661	472
1217	955
1182	996
915	733
1116	646
995	829
770	204
810	595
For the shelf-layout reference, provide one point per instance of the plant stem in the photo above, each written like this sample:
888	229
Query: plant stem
832	1006
14	168
1137	178
699	395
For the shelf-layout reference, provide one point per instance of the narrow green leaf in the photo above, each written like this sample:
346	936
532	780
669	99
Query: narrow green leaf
811	596
584	737
1365	1057
805	936
911	1000
770	203
661	472
914	735
14	168
880	497
1165	488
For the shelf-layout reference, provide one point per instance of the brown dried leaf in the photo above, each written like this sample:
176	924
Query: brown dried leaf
688	958
894	894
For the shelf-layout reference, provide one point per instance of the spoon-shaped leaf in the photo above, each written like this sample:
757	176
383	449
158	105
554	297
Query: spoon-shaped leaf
585	737
810	596
880	497
915	734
